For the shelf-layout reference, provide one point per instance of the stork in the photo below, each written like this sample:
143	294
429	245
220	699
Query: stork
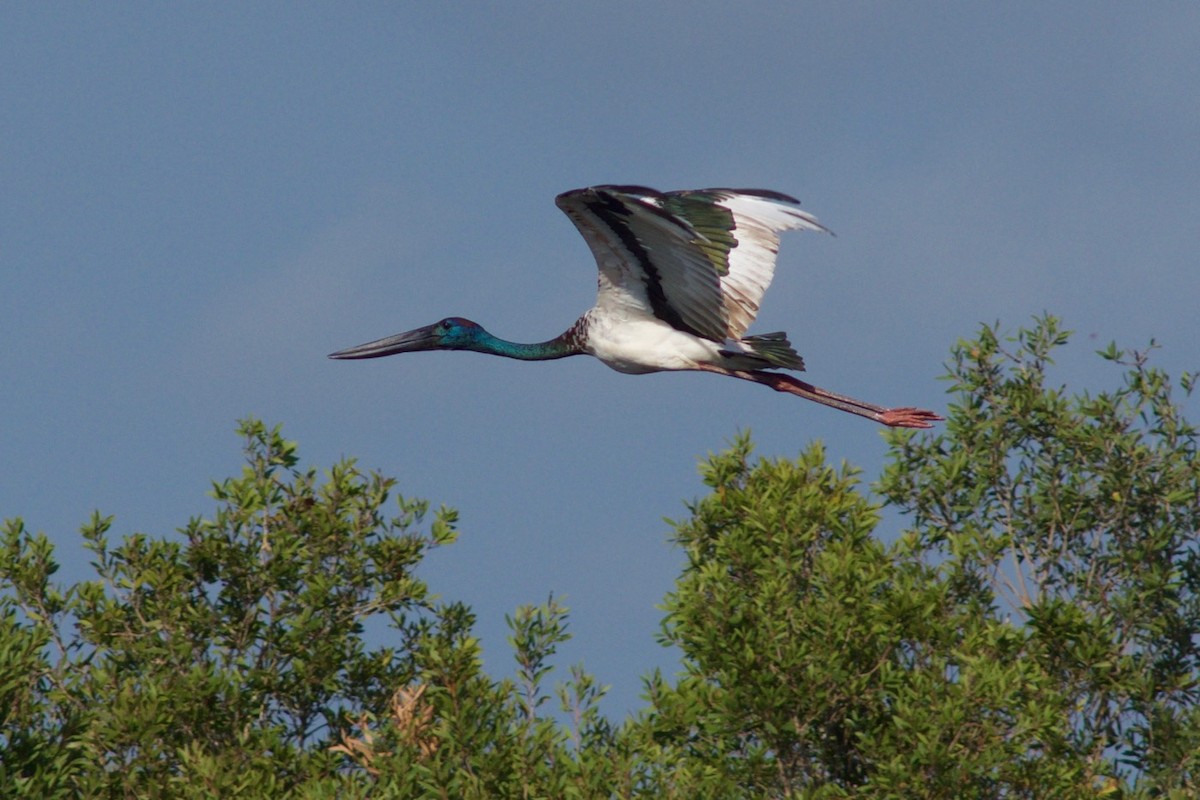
681	277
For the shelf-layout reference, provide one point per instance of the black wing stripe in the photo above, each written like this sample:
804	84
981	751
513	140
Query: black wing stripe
612	212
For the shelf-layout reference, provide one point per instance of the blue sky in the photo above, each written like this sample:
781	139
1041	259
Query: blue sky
202	200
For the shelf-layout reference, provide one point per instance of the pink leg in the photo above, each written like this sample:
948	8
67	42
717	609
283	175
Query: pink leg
906	417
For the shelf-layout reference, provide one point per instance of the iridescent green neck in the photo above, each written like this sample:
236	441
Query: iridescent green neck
559	347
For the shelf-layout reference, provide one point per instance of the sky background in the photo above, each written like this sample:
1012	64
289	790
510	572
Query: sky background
200	201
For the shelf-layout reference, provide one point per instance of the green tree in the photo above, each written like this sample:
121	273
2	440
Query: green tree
822	663
231	660
1033	633
1080	515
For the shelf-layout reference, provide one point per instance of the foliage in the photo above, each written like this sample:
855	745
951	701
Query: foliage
232	660
1032	633
820	661
1078	514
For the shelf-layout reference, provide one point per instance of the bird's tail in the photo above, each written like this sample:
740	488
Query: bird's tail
775	349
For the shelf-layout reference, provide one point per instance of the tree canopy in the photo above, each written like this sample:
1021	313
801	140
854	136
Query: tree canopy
1033	631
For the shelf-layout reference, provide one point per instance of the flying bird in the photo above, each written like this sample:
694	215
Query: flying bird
681	278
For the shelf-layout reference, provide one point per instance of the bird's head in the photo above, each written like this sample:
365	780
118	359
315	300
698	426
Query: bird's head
452	333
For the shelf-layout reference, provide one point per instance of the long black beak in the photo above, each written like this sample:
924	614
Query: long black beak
407	342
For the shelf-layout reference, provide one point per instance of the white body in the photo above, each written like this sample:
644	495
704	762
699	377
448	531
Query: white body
640	344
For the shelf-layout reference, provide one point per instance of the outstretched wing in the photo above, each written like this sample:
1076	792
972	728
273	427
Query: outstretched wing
647	257
740	230
698	260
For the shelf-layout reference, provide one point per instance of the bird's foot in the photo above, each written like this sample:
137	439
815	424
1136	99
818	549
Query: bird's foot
908	418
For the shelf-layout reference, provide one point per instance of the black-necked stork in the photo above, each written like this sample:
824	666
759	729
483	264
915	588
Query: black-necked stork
681	278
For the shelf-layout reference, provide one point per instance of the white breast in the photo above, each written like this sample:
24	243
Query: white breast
635	343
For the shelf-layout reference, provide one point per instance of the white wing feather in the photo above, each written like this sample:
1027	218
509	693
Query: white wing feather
758	221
